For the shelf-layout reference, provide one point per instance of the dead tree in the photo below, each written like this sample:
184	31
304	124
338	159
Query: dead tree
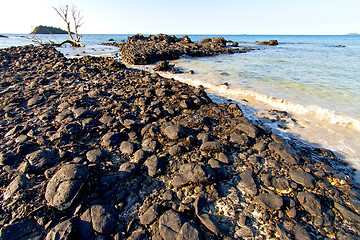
63	12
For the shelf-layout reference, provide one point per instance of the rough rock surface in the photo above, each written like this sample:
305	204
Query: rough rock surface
141	50
65	185
168	162
270	43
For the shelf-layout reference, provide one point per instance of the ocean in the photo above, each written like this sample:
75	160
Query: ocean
307	87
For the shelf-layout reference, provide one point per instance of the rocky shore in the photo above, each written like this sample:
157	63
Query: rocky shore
93	150
140	50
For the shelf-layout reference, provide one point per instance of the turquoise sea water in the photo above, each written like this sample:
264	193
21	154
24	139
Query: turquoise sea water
310	77
309	70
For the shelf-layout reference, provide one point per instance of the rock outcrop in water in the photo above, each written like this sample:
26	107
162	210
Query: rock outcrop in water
270	43
141	50
90	149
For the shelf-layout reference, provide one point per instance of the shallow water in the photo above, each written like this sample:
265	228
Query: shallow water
93	43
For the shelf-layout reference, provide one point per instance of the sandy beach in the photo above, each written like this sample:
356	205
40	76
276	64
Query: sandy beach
91	149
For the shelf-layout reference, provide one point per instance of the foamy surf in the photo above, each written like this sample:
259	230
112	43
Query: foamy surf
279	104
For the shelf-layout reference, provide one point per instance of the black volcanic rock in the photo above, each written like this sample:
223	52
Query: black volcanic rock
65	185
270	43
141	50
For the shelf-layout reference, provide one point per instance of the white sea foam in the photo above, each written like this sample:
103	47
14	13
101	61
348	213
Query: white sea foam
280	104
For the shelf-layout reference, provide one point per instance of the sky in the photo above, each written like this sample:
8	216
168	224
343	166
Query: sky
319	17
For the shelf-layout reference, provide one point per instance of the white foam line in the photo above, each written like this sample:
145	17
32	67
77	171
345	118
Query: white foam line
320	113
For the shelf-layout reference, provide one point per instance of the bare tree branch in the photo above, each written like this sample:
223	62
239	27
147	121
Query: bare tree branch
36	39
77	18
63	11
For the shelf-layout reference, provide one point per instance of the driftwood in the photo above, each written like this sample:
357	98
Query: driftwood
73	43
36	39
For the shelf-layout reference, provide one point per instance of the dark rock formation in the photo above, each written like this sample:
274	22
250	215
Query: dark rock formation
270	43
141	50
65	185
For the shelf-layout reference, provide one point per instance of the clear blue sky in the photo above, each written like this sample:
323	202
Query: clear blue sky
189	16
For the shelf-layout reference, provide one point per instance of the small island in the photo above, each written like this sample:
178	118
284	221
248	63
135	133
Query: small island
48	30
2	36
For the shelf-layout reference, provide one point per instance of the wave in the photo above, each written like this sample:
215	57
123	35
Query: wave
314	111
320	113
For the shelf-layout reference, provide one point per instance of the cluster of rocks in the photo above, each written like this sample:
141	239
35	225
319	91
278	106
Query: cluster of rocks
92	150
270	43
140	50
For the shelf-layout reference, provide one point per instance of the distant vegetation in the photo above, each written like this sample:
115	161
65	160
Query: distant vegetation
2	36
48	30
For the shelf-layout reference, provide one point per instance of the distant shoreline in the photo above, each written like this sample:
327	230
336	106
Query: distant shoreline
199	34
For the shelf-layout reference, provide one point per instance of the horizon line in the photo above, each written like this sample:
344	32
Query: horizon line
209	34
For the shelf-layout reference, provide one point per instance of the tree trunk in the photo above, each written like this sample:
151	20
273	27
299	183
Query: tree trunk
73	43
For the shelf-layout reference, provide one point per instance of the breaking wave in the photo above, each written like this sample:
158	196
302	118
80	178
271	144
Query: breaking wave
314	111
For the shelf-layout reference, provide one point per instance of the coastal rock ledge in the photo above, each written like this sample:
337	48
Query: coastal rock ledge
140	50
90	149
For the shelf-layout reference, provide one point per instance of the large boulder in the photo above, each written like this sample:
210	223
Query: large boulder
154	166
98	218
163	66
270	201
111	139
19	182
63	230
141	50
174	226
172	131
310	203
270	43
303	178
193	173
247	184
65	185
16	230
41	159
